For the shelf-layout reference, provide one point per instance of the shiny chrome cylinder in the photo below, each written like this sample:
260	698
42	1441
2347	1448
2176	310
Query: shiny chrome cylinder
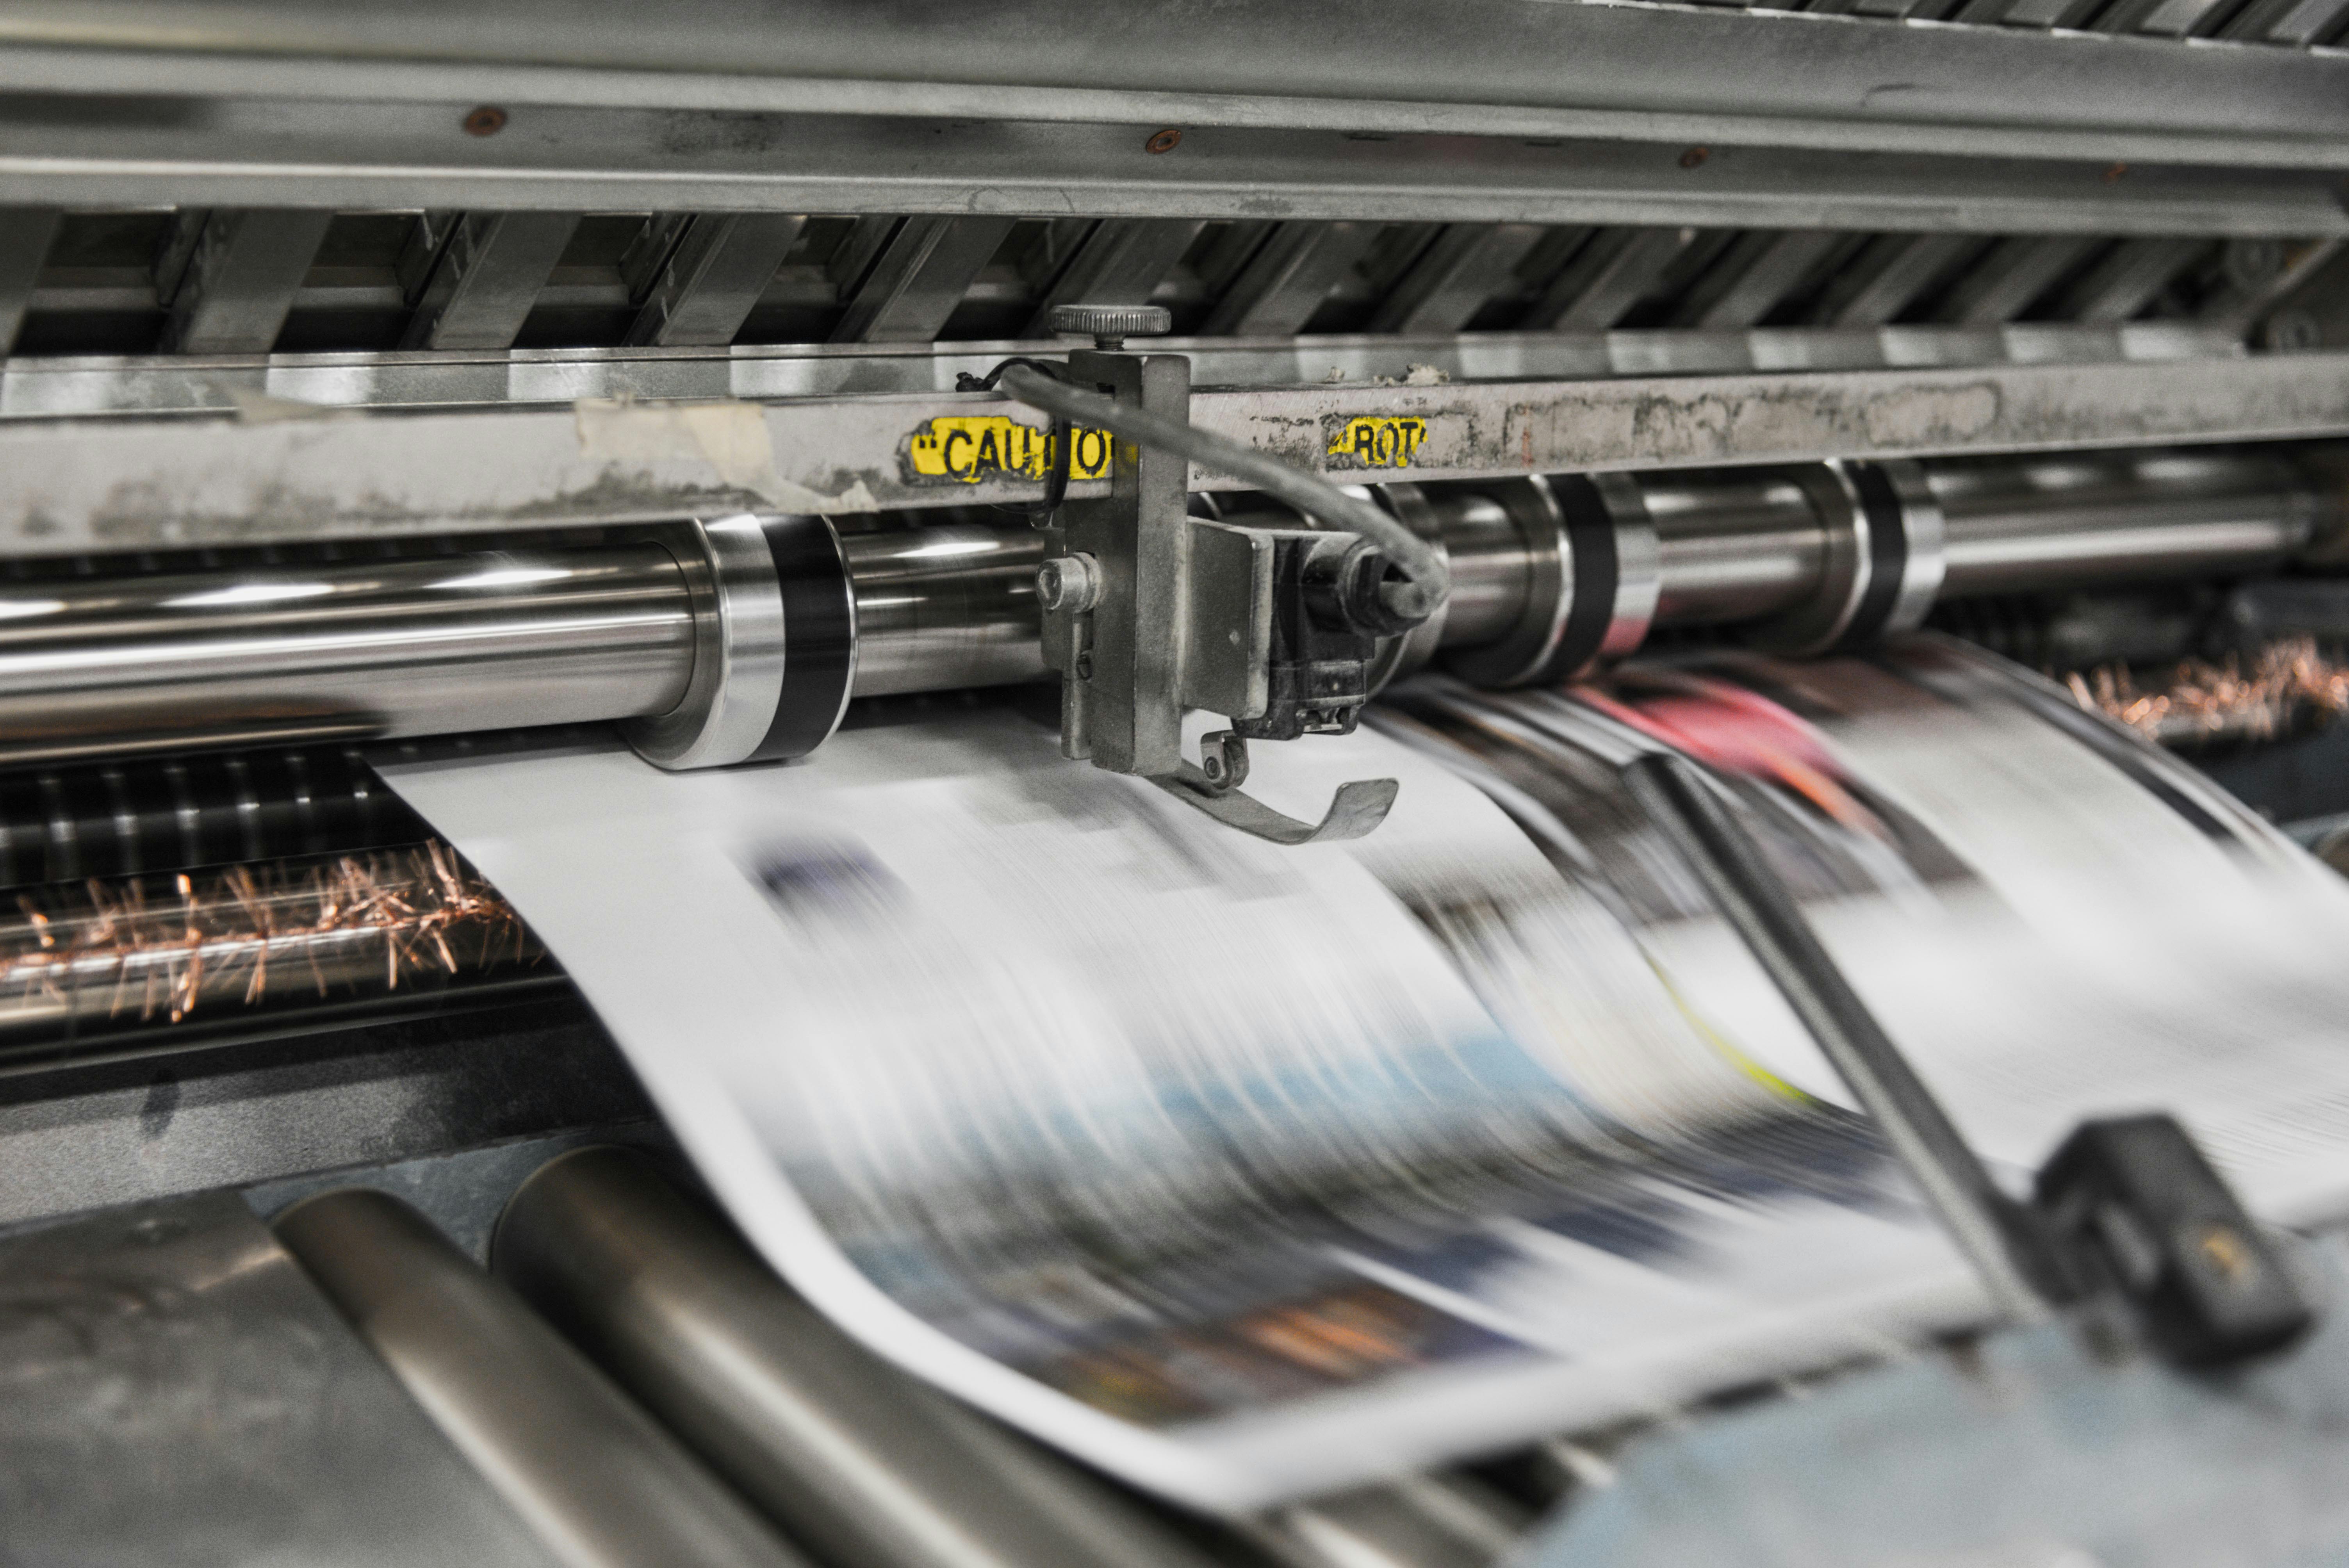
2047	524
1736	544
122	665
1489	580
587	1469
421	646
1550	574
943	604
869	1467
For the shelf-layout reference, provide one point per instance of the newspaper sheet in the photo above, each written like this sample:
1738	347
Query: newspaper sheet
1246	1172
1240	1171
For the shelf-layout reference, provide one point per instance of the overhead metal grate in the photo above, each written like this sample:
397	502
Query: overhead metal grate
254	280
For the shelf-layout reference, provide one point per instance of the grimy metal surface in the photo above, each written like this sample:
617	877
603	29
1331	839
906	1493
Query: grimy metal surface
70	487
1493	68
276	384
178	1393
292	150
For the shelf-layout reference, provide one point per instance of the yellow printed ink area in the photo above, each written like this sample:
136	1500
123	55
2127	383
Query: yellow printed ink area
1380	442
968	449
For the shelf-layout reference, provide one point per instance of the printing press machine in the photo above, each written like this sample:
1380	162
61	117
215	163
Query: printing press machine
432	379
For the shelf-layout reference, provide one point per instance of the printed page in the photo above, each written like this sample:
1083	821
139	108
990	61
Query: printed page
2049	930
1240	1171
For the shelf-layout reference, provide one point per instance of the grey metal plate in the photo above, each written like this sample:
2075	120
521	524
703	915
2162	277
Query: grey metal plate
174	1391
1499	67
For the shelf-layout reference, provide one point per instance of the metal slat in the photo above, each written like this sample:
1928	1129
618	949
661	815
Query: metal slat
711	280
2158	18
1121	261
1606	277
25	235
921	275
2014	273
2296	23
1750	280
1466	265
489	276
2041	14
1288	278
1887	276
240	281
2126	280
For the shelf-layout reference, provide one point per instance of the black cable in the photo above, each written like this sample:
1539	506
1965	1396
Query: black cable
1058	434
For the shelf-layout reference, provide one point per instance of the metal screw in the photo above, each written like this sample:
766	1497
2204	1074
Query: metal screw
487	120
1165	142
1109	325
1069	583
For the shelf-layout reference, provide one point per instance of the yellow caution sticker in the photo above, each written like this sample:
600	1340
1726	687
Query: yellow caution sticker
965	449
1376	442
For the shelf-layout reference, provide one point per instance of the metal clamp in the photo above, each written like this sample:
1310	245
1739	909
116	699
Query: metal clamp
1149	612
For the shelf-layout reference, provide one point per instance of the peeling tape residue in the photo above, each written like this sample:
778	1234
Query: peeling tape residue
730	438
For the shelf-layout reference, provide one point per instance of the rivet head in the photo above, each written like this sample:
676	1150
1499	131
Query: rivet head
487	120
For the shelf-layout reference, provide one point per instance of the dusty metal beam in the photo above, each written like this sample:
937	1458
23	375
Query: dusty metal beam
1509	68
75	486
295	385
173	148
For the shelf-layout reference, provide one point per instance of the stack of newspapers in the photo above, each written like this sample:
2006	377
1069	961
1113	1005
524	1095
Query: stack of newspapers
1245	1172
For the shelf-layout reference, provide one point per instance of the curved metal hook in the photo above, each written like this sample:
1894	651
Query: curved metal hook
1354	811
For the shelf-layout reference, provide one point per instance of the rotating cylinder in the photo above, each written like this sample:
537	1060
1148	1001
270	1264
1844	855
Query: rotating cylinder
597	1479
870	1467
742	638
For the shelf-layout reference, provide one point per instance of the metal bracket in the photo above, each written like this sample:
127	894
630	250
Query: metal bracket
1356	808
1150	613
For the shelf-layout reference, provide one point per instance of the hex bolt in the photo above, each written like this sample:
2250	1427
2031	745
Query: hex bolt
1069	583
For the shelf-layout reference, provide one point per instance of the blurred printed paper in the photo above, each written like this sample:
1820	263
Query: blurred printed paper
1245	1171
1239	1170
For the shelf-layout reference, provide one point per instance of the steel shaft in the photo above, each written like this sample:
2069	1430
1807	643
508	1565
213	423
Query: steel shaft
114	666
